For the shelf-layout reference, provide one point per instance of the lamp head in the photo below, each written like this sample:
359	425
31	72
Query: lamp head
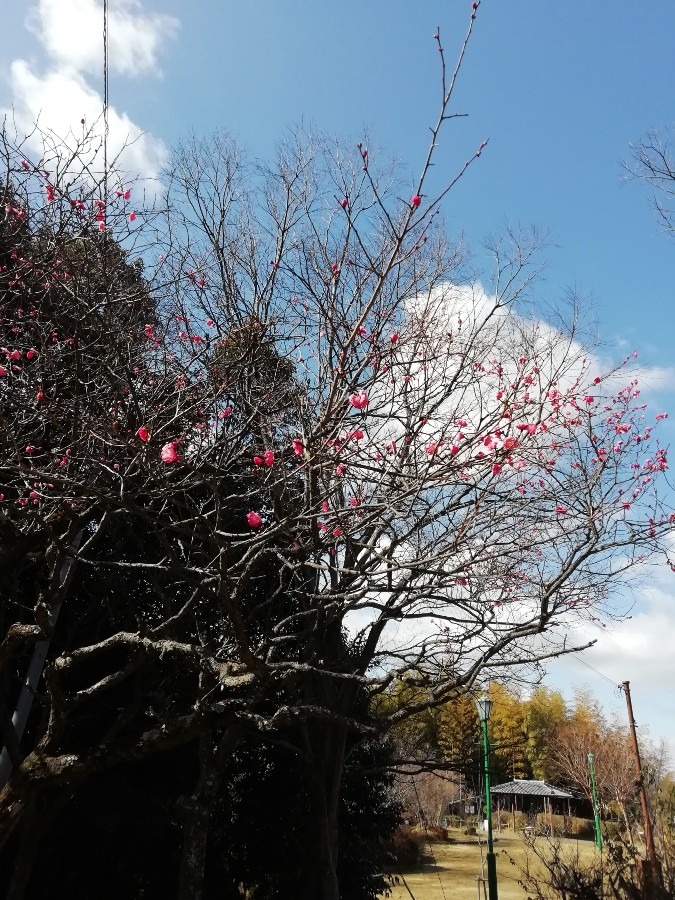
484	705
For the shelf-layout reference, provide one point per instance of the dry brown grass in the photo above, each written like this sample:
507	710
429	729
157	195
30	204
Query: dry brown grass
458	865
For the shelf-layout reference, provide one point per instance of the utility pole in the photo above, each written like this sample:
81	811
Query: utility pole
650	867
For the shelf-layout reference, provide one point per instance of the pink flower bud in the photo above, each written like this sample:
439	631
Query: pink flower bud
269	458
253	519
298	447
257	461
415	200
143	434
344	203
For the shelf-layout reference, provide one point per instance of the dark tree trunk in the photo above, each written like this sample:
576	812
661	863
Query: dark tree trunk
325	782
198	809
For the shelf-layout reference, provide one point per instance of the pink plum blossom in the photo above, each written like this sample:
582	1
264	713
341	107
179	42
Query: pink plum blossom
169	452
359	400
529	427
253	519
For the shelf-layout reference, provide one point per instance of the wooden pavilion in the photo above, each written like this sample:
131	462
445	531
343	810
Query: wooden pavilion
532	797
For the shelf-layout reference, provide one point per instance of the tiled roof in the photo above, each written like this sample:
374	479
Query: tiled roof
533	788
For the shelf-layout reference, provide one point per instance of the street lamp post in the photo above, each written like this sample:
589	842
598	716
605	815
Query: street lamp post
596	805
484	705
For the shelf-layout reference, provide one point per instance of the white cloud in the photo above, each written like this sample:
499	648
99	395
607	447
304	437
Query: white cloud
58	95
645	642
58	101
71	32
639	649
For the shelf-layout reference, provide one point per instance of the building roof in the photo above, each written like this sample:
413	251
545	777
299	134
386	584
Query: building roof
521	786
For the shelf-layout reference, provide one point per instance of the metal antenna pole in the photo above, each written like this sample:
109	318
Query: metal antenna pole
105	104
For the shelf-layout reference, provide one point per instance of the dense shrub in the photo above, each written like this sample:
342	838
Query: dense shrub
437	833
405	848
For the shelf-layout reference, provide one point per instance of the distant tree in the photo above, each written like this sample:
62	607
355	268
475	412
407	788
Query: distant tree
545	712
652	161
508	734
460	739
587	730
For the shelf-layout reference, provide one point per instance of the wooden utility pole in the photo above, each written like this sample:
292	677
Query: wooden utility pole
650	868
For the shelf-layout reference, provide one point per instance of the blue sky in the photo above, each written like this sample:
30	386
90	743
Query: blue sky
560	89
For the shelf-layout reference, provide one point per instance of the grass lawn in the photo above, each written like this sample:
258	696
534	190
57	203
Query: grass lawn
453	876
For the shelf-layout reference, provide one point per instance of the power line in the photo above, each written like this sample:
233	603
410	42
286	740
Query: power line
597	671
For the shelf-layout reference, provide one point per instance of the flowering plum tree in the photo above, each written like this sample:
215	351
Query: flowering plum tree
295	457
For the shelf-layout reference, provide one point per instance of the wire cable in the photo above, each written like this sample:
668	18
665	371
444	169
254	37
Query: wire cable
597	671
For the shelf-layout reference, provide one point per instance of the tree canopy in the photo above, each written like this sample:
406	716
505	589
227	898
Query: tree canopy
272	454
